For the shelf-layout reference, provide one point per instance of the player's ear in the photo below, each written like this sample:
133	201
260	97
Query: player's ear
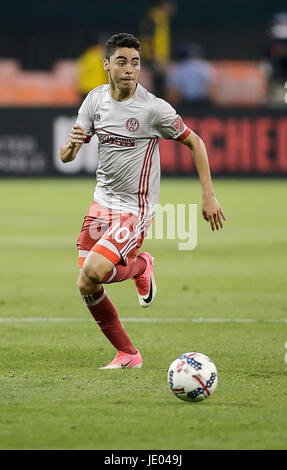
106	65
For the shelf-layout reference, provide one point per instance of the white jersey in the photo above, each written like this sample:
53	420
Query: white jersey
128	174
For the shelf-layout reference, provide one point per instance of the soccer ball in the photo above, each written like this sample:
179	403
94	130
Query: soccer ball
192	377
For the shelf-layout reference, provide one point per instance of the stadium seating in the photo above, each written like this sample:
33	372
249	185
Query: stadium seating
238	83
37	88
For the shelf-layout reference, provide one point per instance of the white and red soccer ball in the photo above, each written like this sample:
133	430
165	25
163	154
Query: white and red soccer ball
192	376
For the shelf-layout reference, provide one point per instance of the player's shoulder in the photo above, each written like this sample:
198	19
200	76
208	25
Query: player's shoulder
99	90
145	95
154	101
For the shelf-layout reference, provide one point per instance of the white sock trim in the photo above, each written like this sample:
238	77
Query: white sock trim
113	275
90	301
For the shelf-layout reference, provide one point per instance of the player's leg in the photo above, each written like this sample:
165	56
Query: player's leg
123	250
103	310
93	266
145	282
121	272
140	268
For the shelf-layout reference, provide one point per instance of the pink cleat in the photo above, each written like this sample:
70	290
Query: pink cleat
124	360
145	282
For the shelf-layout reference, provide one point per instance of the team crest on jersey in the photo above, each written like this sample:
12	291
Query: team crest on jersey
97	117
132	124
178	124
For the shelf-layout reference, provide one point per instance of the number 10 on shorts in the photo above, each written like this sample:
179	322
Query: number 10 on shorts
121	234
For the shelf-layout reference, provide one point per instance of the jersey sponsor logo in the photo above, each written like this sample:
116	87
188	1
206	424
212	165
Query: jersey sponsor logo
132	124
120	141
178	124
97	117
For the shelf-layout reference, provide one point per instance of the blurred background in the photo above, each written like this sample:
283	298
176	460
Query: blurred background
222	65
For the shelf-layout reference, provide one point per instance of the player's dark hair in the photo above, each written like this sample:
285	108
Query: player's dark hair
121	40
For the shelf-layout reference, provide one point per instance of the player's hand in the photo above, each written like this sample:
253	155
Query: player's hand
77	135
212	212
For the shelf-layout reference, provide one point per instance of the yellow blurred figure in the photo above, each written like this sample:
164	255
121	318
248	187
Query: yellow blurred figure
90	68
155	33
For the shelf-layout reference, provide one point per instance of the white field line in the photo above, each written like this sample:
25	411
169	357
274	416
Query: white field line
144	320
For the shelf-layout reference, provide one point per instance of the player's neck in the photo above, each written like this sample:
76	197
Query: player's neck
119	94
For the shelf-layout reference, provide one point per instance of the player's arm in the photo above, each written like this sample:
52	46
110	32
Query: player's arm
69	150
211	209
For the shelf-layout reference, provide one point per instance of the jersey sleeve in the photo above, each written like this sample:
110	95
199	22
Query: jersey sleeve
85	116
166	123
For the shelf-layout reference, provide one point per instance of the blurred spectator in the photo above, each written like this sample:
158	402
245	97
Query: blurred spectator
155	37
191	79
277	50
274	61
90	66
154	32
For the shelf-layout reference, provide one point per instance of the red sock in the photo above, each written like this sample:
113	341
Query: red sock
108	320
119	273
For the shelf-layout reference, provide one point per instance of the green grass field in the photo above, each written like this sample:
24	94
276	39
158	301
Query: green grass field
228	295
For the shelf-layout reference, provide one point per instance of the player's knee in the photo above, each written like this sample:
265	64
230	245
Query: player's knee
96	266
91	273
94	269
86	286
82	285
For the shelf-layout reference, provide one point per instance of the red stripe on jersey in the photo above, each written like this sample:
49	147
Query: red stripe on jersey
145	182
184	135
111	133
142	175
148	175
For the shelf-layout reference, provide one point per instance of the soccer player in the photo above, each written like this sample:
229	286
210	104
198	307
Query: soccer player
128	121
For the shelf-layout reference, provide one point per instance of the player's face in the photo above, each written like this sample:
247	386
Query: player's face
124	68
